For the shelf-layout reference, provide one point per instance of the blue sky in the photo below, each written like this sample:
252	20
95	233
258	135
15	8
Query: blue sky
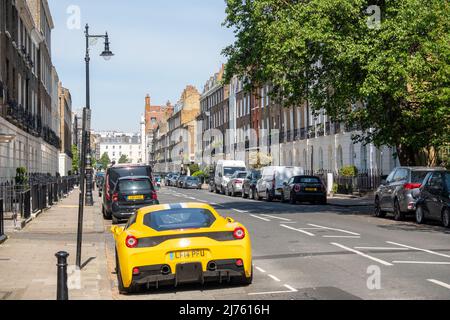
159	46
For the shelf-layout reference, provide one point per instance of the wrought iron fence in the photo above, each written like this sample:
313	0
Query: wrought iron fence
41	192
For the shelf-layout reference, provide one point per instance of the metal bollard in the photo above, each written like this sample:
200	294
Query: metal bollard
62	292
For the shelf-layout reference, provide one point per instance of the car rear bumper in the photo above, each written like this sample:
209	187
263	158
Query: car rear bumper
154	276
306	196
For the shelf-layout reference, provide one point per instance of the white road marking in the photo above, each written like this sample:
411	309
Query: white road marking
334	229
345	237
274	217
240	211
440	283
291	288
424	250
264	219
362	254
192	198
274	278
421	262
260	269
298	230
381	248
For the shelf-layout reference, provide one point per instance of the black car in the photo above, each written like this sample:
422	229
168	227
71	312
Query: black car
434	198
304	189
131	194
112	177
249	185
192	183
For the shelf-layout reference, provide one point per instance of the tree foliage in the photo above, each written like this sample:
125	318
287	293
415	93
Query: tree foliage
75	159
124	159
390	80
104	160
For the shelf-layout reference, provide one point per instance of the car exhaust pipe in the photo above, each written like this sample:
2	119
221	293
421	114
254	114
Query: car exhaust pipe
165	270
212	266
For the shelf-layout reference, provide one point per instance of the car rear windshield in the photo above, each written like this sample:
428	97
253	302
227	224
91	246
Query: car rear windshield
242	175
143	171
418	176
175	219
134	185
306	180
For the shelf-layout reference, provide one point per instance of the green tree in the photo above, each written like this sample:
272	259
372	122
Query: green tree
123	159
391	79
75	158
104	160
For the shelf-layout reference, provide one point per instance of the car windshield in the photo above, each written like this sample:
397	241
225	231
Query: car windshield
256	175
306	180
447	180
418	176
134	185
176	219
229	171
192	179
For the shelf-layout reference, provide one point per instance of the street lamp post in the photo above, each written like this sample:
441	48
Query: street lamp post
86	169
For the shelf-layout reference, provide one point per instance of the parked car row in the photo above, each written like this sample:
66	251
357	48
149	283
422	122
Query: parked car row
419	191
182	181
273	182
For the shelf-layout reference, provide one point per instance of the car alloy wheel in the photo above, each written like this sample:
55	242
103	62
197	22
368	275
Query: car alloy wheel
398	214
292	199
378	212
446	218
420	216
283	200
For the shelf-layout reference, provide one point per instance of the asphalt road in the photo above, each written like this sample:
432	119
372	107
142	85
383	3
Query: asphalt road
320	252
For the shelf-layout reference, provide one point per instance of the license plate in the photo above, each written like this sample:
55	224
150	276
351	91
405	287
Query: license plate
139	197
189	254
311	189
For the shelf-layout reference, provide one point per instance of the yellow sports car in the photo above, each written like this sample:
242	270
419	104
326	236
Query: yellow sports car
173	244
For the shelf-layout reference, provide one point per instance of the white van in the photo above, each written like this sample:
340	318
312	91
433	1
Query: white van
224	170
270	185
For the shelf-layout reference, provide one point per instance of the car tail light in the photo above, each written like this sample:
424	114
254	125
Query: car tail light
297	188
115	197
239	233
131	242
154	195
239	262
136	271
412	186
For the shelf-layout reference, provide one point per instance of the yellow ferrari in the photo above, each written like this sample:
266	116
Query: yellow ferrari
174	244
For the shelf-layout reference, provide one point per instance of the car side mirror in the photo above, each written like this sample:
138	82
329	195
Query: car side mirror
230	220
116	230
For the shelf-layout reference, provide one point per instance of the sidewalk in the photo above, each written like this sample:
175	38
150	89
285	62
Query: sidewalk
342	200
28	262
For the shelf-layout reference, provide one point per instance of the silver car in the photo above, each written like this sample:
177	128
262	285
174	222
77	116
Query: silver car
234	186
395	194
